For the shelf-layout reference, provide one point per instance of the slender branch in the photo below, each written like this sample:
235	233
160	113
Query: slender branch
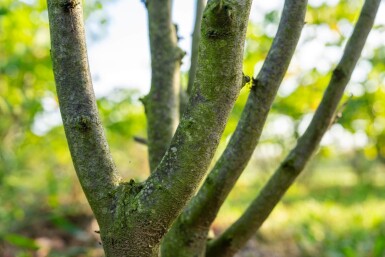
203	209
85	136
241	231
217	85
140	140
200	5
162	103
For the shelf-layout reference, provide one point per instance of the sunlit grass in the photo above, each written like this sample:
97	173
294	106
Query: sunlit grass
329	211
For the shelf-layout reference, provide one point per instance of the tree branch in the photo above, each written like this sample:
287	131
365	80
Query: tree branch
200	5
162	103
203	209
241	231
217	85
85	136
140	140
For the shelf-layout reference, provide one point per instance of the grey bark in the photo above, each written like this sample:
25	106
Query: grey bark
189	233
162	103
133	217
85	136
246	226
217	86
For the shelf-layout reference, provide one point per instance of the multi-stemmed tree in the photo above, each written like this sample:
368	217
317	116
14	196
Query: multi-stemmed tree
166	214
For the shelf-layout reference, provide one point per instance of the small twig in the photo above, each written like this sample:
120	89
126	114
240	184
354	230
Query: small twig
145	3
178	37
340	110
140	140
245	80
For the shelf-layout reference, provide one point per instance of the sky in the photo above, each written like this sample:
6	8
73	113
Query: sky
121	58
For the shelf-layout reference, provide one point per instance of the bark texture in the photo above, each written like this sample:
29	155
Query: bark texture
133	217
84	132
217	85
188	235
162	103
246	226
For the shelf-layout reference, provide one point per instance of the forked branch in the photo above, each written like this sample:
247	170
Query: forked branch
195	221
217	85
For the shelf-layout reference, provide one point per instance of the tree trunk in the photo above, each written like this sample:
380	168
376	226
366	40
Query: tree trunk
133	217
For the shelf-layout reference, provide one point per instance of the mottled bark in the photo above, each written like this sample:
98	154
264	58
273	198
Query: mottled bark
84	132
189	234
133	217
217	85
162	103
246	226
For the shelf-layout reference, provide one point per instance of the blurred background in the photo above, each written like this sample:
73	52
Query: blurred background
337	206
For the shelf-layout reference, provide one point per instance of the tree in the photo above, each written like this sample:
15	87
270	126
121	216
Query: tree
134	217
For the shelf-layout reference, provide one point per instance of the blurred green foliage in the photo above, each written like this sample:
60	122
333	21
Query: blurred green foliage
340	201
330	213
36	173
328	28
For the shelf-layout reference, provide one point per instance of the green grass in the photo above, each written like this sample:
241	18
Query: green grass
330	211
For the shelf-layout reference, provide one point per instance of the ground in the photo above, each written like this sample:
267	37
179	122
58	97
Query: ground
332	211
